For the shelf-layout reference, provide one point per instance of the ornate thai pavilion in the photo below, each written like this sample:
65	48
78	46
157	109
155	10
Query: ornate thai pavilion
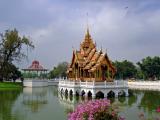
90	64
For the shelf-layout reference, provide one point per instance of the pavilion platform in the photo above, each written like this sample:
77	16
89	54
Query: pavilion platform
116	88
40	82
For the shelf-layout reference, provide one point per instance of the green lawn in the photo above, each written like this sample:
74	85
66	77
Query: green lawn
10	85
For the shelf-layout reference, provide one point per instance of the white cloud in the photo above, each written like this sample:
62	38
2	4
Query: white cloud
129	30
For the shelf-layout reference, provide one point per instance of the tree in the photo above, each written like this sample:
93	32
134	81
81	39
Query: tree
139	74
59	71
11	72
125	69
11	44
150	67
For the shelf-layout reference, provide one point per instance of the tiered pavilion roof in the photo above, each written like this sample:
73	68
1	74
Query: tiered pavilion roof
90	64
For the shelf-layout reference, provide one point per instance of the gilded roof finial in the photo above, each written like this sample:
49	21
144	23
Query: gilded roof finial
101	51
87	42
73	48
87	32
87	21
87	26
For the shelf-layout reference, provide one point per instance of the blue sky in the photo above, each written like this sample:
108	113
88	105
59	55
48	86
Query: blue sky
128	29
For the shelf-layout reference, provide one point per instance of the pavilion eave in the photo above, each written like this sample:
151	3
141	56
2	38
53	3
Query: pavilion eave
35	69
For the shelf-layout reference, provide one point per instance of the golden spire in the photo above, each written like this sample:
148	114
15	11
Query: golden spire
87	30
87	43
87	36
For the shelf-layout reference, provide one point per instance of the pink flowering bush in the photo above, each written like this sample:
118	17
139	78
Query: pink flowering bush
95	110
158	109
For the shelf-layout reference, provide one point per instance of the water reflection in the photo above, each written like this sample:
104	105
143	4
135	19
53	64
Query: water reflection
121	99
38	104
47	103
132	97
150	100
138	102
54	90
35	98
70	101
7	99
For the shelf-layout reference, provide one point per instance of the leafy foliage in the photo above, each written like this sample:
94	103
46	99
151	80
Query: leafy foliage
11	72
59	71
11	45
125	69
150	67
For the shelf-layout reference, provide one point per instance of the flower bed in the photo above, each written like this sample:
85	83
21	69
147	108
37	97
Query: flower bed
95	110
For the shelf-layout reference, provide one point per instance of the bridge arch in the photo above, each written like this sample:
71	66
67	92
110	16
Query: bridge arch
61	91
70	92
66	92
89	94
83	93
111	94
99	94
77	93
121	93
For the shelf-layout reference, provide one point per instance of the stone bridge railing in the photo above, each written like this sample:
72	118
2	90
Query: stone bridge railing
116	83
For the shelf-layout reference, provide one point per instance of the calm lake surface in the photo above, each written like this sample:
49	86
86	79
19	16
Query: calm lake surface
46	104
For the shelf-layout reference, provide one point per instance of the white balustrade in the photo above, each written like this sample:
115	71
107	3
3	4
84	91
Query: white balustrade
93	84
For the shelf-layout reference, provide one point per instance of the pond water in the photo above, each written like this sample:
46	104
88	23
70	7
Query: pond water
47	104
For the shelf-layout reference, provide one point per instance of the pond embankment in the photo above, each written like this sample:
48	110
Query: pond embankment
146	85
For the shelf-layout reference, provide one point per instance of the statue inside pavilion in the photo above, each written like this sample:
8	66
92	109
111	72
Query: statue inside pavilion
90	64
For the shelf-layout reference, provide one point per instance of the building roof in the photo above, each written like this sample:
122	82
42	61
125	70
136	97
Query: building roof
88	56
35	66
